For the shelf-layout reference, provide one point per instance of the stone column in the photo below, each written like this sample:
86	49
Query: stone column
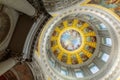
21	5
7	65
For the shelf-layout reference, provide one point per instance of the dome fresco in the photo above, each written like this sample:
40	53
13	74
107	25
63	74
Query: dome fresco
70	40
75	43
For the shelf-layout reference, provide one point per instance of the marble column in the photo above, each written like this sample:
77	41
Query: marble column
7	65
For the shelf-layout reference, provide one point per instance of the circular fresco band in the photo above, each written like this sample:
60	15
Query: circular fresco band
73	41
